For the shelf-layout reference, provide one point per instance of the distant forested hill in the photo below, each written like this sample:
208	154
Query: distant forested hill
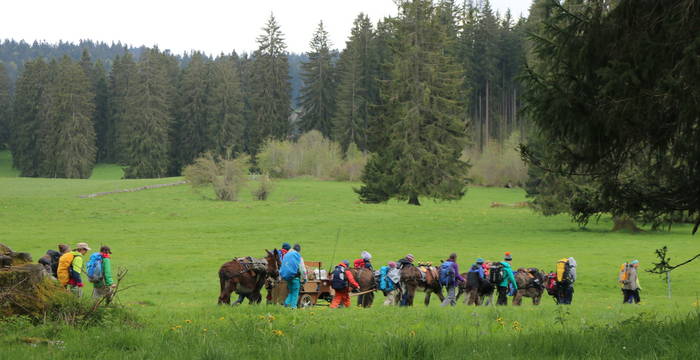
13	54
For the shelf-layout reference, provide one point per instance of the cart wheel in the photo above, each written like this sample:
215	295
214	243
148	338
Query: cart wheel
306	300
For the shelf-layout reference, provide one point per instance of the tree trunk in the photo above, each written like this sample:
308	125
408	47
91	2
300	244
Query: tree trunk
413	200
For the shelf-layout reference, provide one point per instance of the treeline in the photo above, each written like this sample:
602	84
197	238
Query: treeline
157	112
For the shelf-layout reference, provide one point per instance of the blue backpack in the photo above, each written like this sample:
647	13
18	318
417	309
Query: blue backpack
290	265
447	274
94	268
385	284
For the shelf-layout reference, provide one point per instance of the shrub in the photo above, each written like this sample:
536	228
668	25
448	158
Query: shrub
311	155
264	188
498	165
227	177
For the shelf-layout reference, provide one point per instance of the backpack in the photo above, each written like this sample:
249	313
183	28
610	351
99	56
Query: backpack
623	275
338	279
496	273
447	273
473	278
385	283
290	265
359	263
94	268
551	284
563	270
63	270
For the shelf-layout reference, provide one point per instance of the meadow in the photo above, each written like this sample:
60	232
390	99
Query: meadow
172	240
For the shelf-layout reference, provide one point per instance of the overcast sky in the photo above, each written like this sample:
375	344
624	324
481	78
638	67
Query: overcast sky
208	25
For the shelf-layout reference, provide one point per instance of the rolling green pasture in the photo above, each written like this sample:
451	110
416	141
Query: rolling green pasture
172	240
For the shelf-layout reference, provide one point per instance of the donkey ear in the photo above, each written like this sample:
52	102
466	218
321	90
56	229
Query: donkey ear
268	252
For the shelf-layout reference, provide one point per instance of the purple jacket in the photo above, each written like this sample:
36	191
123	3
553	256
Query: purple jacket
458	276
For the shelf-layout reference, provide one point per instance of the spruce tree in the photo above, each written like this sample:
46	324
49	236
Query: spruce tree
270	88
67	134
191	128
147	118
121	80
225	108
101	119
27	118
318	92
5	108
357	88
426	134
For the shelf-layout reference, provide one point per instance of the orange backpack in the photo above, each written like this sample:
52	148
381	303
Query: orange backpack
64	263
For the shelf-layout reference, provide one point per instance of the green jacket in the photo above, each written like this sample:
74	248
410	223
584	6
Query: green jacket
107	279
508	276
77	264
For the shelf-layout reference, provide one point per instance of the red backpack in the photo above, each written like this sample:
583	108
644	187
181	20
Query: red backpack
551	283
359	263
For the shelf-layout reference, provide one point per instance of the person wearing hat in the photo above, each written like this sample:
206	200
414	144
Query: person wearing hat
389	283
293	270
630	287
285	249
508	278
70	266
341	281
406	261
449	274
105	286
475	279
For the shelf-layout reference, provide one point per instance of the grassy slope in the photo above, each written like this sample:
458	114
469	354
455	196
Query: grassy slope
173	240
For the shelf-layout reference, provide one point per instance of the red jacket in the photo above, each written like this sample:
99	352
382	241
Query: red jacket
351	279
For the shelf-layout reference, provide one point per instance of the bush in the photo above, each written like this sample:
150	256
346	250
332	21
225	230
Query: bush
498	165
264	188
227	177
312	155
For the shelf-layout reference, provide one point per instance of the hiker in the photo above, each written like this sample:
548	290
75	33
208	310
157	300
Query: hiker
293	271
389	277
566	276
508	279
285	249
341	281
630	284
364	261
70	266
449	277
50	260
408	260
475	278
99	271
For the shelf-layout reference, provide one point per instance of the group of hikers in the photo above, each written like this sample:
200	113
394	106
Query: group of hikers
68	267
499	276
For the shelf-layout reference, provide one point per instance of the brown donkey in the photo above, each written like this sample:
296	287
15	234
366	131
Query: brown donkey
365	277
246	277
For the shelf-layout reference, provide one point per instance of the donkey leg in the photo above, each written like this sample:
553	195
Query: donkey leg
427	297
225	297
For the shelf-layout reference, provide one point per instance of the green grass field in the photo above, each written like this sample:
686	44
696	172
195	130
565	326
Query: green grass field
173	240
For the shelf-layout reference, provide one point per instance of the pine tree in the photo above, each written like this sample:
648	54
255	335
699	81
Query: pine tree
426	134
147	118
27	118
101	115
380	108
318	93
5	108
121	80
67	134
357	89
270	88
225	108
191	126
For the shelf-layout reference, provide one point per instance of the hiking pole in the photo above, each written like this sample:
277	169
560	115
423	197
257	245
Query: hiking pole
335	247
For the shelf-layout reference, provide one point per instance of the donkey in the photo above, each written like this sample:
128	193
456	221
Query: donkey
412	280
245	279
531	283
365	277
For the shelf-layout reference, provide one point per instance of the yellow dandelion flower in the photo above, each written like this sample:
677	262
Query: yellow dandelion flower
205	330
178	327
221	318
696	304
412	333
270	318
188	321
261	317
278	332
173	328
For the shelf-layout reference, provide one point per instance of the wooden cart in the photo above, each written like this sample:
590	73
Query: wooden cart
316	288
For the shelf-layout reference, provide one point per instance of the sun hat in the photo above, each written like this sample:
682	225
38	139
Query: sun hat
83	246
409	257
508	257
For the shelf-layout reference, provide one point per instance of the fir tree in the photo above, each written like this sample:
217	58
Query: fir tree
103	130
27	118
67	143
426	135
225	108
121	80
270	88
318	93
191	126
357	89
147	118
5	107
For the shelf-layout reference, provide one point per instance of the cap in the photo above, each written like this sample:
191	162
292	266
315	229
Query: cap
508	257
392	264
479	261
286	246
